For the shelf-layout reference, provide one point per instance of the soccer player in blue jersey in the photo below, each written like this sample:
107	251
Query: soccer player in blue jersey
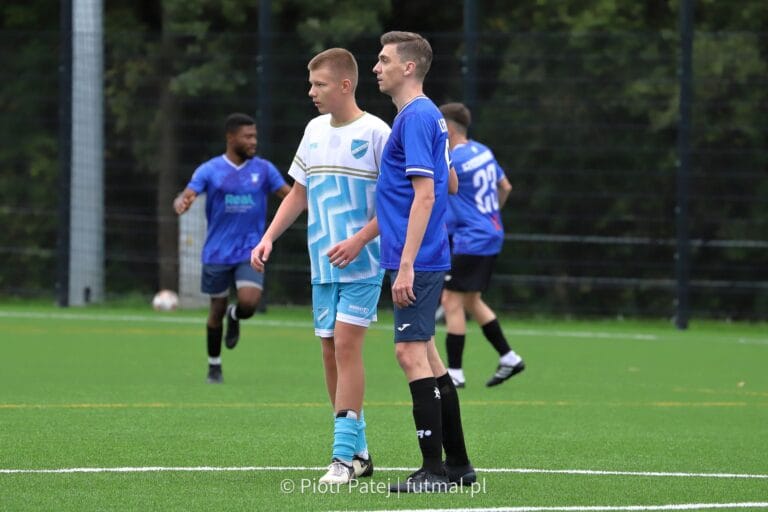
477	239
411	202
237	185
336	167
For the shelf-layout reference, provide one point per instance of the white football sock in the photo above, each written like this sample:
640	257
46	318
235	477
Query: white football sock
510	358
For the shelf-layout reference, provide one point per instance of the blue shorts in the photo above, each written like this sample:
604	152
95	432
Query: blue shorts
351	303
217	279
417	321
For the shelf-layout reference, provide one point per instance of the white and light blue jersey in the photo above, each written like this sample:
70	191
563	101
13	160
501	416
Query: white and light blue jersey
418	146
235	205
339	166
478	229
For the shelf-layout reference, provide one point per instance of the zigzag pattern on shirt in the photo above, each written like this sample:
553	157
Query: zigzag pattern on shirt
338	208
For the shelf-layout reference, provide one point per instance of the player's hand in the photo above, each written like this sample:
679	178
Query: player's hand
260	255
181	204
345	252
402	288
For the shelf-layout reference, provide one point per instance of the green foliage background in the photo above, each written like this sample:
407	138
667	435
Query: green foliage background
579	100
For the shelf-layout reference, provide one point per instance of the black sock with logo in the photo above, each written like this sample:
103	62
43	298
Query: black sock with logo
427	416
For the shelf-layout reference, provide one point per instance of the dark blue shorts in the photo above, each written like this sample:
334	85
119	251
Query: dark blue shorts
217	279
417	321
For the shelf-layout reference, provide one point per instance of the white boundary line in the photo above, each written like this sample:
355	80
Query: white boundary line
307	324
169	319
596	508
588	472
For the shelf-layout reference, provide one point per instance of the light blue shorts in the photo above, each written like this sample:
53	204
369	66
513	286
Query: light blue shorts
351	303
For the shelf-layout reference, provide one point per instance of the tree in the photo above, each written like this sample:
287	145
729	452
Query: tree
28	155
165	61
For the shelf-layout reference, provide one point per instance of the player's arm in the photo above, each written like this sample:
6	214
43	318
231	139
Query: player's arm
418	218
184	200
282	191
453	181
294	203
503	188
345	252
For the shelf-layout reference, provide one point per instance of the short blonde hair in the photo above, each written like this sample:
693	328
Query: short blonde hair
412	47
341	62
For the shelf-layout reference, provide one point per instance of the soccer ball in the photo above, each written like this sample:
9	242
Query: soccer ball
165	300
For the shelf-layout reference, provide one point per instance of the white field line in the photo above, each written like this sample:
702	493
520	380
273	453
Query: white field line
597	508
170	319
588	472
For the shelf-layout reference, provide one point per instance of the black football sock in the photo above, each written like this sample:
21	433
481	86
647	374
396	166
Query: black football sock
427	417
214	341
492	332
454	346
453	434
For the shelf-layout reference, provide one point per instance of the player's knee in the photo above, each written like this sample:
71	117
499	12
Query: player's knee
452	307
245	311
347	350
407	359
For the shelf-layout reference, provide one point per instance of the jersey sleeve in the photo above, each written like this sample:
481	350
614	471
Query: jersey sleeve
418	133
199	180
298	169
276	180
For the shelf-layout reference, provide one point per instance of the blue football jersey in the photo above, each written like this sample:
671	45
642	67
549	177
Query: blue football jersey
478	228
235	205
418	146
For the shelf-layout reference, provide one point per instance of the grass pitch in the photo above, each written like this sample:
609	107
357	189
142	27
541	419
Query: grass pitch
108	409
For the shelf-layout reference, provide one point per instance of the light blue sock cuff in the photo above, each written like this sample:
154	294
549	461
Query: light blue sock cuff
344	438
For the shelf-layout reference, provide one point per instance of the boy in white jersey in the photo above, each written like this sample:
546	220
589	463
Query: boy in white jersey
336	167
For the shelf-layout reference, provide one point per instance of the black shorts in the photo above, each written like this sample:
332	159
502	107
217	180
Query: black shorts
470	273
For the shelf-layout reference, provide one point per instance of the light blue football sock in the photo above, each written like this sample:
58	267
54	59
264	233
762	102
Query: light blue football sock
361	447
345	437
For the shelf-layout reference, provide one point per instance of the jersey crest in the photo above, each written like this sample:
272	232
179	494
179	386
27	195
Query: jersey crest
359	148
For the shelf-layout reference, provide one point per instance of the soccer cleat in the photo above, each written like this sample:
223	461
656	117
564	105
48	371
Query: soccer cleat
363	467
504	372
233	329
461	475
338	473
423	481
214	374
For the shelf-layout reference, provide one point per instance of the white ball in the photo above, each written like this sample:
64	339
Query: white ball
165	300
